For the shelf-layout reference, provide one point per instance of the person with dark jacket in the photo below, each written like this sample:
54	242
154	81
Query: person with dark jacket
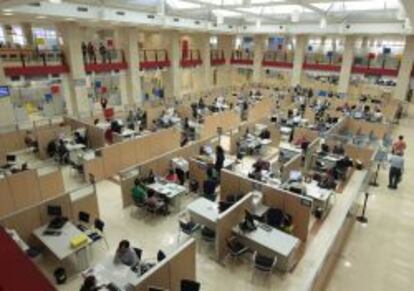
220	157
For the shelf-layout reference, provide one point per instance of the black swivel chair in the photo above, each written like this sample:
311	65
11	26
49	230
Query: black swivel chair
160	256
84	219
138	252
98	233
188	285
263	263
236	247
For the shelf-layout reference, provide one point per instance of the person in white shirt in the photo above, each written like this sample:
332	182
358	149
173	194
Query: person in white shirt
396	161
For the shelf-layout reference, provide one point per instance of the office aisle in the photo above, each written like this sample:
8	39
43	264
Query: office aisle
380	255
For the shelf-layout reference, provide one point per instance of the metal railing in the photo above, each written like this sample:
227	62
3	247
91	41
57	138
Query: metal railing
104	57
31	57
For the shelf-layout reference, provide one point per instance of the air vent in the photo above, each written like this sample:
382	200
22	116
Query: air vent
122	13
176	19
281	27
215	24
230	26
35	4
197	22
82	9
348	26
150	16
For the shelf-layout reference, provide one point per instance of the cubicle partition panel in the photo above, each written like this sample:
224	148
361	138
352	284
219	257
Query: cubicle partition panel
261	109
365	155
229	184
275	135
25	188
338	127
168	274
309	115
51	183
184	111
227	221
379	130
310	153
294	164
7	204
26	220
153	113
225	120
12	141
234	138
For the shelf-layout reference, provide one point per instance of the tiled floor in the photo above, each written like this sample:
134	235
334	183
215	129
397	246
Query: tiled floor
378	256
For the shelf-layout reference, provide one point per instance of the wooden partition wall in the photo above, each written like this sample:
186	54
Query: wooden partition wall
94	134
160	165
365	155
27	219
260	110
168	274
28	188
226	120
310	135
229	219
379	130
294	164
12	141
299	207
114	158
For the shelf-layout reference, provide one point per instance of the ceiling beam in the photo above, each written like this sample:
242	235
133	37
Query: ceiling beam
12	3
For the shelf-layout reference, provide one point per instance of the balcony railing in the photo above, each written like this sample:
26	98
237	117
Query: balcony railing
33	62
334	59
153	59
191	59
241	57
282	59
382	65
110	60
217	57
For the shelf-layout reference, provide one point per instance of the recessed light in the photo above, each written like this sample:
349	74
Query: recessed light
70	19
40	17
7	10
55	1
8	14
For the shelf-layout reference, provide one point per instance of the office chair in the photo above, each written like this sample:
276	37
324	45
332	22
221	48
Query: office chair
84	219
236	247
189	285
98	232
138	252
189	228
263	263
208	235
275	217
160	256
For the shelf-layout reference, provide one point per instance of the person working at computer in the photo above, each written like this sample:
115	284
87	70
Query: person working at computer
172	176
126	255
139	194
79	139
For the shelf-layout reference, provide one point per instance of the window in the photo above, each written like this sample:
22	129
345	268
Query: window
45	38
2	35
18	35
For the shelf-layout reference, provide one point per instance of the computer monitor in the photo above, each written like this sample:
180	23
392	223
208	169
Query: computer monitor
11	158
248	217
53	210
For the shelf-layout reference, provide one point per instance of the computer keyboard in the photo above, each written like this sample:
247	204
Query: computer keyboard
265	227
52	232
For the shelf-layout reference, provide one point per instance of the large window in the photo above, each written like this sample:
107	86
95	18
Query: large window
45	38
18	35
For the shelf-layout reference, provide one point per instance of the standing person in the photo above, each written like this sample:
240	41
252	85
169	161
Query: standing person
218	165
399	146
84	51
396	169
91	53
102	51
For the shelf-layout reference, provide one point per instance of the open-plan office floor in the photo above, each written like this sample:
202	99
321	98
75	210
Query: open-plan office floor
377	255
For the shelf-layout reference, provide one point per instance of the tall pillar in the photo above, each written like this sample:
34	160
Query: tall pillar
298	59
127	39
259	48
225	43
404	74
346	66
173	75
205	52
6	107
77	100
28	33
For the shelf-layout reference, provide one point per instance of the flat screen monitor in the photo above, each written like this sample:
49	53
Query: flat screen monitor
4	91
53	210
11	158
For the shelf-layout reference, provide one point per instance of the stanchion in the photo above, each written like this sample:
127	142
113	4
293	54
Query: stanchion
363	218
374	183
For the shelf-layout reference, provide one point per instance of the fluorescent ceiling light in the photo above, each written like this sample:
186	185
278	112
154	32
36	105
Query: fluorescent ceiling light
8	14
179	4
323	23
55	1
258	23
7	10
41	17
295	16
275	10
220	19
225	13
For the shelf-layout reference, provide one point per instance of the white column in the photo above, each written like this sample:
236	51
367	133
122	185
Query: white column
259	48
205	56
404	74
298	59
72	35
346	66
28	34
128	41
173	75
6	107
225	43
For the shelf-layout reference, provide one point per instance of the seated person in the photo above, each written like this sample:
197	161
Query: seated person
301	141
262	164
131	120
172	176
155	202
90	284
327	181
126	255
139	193
30	141
377	116
338	149
324	149
150	179
79	139
62	151
116	126
256	174
265	134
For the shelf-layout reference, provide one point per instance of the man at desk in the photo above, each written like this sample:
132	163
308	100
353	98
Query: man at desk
125	254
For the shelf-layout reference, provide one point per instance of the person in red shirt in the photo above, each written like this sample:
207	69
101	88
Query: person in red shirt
172	176
399	146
